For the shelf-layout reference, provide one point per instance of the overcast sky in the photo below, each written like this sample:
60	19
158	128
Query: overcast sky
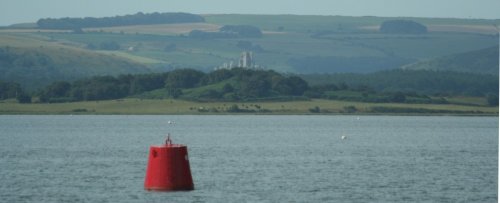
18	11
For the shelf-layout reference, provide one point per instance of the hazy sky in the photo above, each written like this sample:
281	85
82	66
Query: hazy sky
17	11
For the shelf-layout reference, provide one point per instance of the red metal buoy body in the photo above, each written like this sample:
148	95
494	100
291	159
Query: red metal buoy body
168	168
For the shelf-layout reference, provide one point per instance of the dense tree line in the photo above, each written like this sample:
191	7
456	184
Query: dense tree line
135	19
101	88
446	83
10	90
363	93
242	30
239	84
235	84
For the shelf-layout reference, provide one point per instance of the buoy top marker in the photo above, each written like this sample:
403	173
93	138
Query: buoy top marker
169	143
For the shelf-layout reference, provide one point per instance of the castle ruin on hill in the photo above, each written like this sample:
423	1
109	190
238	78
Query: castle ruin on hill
246	61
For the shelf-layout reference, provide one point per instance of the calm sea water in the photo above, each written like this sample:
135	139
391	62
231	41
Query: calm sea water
252	158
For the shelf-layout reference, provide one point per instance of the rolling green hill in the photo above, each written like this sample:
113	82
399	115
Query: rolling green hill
479	61
289	43
36	63
284	51
313	23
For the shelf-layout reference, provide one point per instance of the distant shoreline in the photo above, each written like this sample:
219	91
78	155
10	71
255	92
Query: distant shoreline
181	107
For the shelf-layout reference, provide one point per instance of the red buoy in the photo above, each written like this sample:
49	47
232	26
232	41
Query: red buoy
168	168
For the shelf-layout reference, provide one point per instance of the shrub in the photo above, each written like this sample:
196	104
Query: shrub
492	100
350	109
23	98
315	109
79	110
242	30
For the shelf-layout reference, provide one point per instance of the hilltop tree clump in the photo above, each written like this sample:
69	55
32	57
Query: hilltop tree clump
402	27
136	19
242	30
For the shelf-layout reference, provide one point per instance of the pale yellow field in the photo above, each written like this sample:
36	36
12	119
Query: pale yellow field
19	40
160	29
131	57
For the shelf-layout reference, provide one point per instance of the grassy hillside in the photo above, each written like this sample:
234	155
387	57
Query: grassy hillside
479	61
280	49
35	63
290	43
311	23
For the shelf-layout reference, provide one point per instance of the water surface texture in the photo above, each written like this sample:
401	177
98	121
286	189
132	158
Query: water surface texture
252	158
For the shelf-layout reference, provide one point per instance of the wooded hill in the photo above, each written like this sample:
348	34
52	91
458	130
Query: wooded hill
428	82
239	84
232	85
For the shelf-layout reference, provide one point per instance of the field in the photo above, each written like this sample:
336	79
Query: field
35	61
290	44
286	37
301	23
277	49
161	29
169	106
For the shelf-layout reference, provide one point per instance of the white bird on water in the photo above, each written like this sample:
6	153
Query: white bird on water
170	122
343	137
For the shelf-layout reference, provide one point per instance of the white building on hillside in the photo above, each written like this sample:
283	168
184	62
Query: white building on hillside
246	60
